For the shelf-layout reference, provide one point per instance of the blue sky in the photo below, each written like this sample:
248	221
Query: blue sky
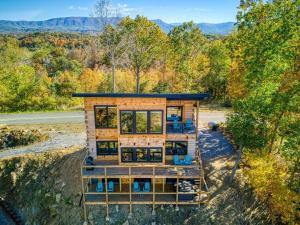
211	11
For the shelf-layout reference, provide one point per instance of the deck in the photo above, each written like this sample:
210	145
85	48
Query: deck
111	169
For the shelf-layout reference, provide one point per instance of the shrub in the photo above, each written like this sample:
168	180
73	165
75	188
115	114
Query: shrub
12	138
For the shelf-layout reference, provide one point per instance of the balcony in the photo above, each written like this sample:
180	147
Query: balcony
176	127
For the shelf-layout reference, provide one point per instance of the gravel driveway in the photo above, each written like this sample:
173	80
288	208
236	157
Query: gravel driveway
213	144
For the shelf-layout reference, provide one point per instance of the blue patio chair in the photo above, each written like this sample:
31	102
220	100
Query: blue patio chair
176	160
189	124
111	187
146	187
99	186
136	187
187	160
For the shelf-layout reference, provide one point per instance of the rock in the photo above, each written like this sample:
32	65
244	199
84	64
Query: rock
126	223
58	198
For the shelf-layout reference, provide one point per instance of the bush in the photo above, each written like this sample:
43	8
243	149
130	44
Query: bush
12	138
268	175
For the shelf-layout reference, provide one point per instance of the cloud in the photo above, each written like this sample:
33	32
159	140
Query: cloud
78	8
196	10
125	9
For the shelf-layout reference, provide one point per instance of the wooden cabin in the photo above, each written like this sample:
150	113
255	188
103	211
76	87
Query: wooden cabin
137	140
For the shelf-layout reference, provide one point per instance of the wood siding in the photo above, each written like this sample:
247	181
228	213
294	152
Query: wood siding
135	140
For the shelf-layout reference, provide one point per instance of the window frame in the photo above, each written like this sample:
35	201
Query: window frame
109	150
174	149
106	109
134	154
180	106
148	120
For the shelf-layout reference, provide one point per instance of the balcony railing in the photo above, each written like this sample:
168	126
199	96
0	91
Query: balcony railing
176	127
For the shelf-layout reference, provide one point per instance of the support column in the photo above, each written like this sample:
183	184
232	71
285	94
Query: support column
130	205
106	194
83	199
177	187
153	190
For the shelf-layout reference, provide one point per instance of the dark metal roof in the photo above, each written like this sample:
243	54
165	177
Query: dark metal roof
201	96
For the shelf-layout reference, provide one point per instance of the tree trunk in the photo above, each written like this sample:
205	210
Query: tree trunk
113	69
137	74
236	164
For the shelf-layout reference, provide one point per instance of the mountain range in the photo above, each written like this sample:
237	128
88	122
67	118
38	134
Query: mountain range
91	24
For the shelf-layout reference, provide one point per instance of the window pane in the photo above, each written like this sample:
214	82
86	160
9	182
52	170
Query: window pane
100	116
127	155
181	144
155	154
141	154
102	148
174	113
169	147
181	147
155	121
141	122
127	121
112	117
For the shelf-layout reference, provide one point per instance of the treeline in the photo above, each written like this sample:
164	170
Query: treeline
39	71
264	53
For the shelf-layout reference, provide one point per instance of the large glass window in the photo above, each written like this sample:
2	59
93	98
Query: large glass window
176	147
141	122
174	113
105	116
155	122
107	147
126	122
155	154
127	154
141	154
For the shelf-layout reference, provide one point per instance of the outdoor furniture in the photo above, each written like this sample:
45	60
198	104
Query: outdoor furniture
189	124
187	160
136	187
146	187
99	187
177	160
110	187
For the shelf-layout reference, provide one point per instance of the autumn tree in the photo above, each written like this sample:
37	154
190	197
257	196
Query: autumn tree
187	58
144	39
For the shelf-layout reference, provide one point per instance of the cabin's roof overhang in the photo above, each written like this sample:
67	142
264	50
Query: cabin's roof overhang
199	96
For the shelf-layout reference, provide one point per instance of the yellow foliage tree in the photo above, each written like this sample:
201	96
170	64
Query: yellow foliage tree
90	80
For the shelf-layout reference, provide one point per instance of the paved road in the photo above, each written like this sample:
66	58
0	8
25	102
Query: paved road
78	117
40	118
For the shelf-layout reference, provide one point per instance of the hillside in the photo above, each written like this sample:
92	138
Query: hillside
46	188
90	24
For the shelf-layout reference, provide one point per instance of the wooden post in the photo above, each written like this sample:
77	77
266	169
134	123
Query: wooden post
153	196
177	192
83	197
130	206
164	184
106	194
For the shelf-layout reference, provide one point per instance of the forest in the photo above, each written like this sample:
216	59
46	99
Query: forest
40	71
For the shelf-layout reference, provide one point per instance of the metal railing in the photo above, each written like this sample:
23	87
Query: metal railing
176	127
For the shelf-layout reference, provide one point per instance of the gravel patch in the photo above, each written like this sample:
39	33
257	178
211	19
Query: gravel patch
57	140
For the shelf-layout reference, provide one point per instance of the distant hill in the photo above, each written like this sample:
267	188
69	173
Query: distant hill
90	24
